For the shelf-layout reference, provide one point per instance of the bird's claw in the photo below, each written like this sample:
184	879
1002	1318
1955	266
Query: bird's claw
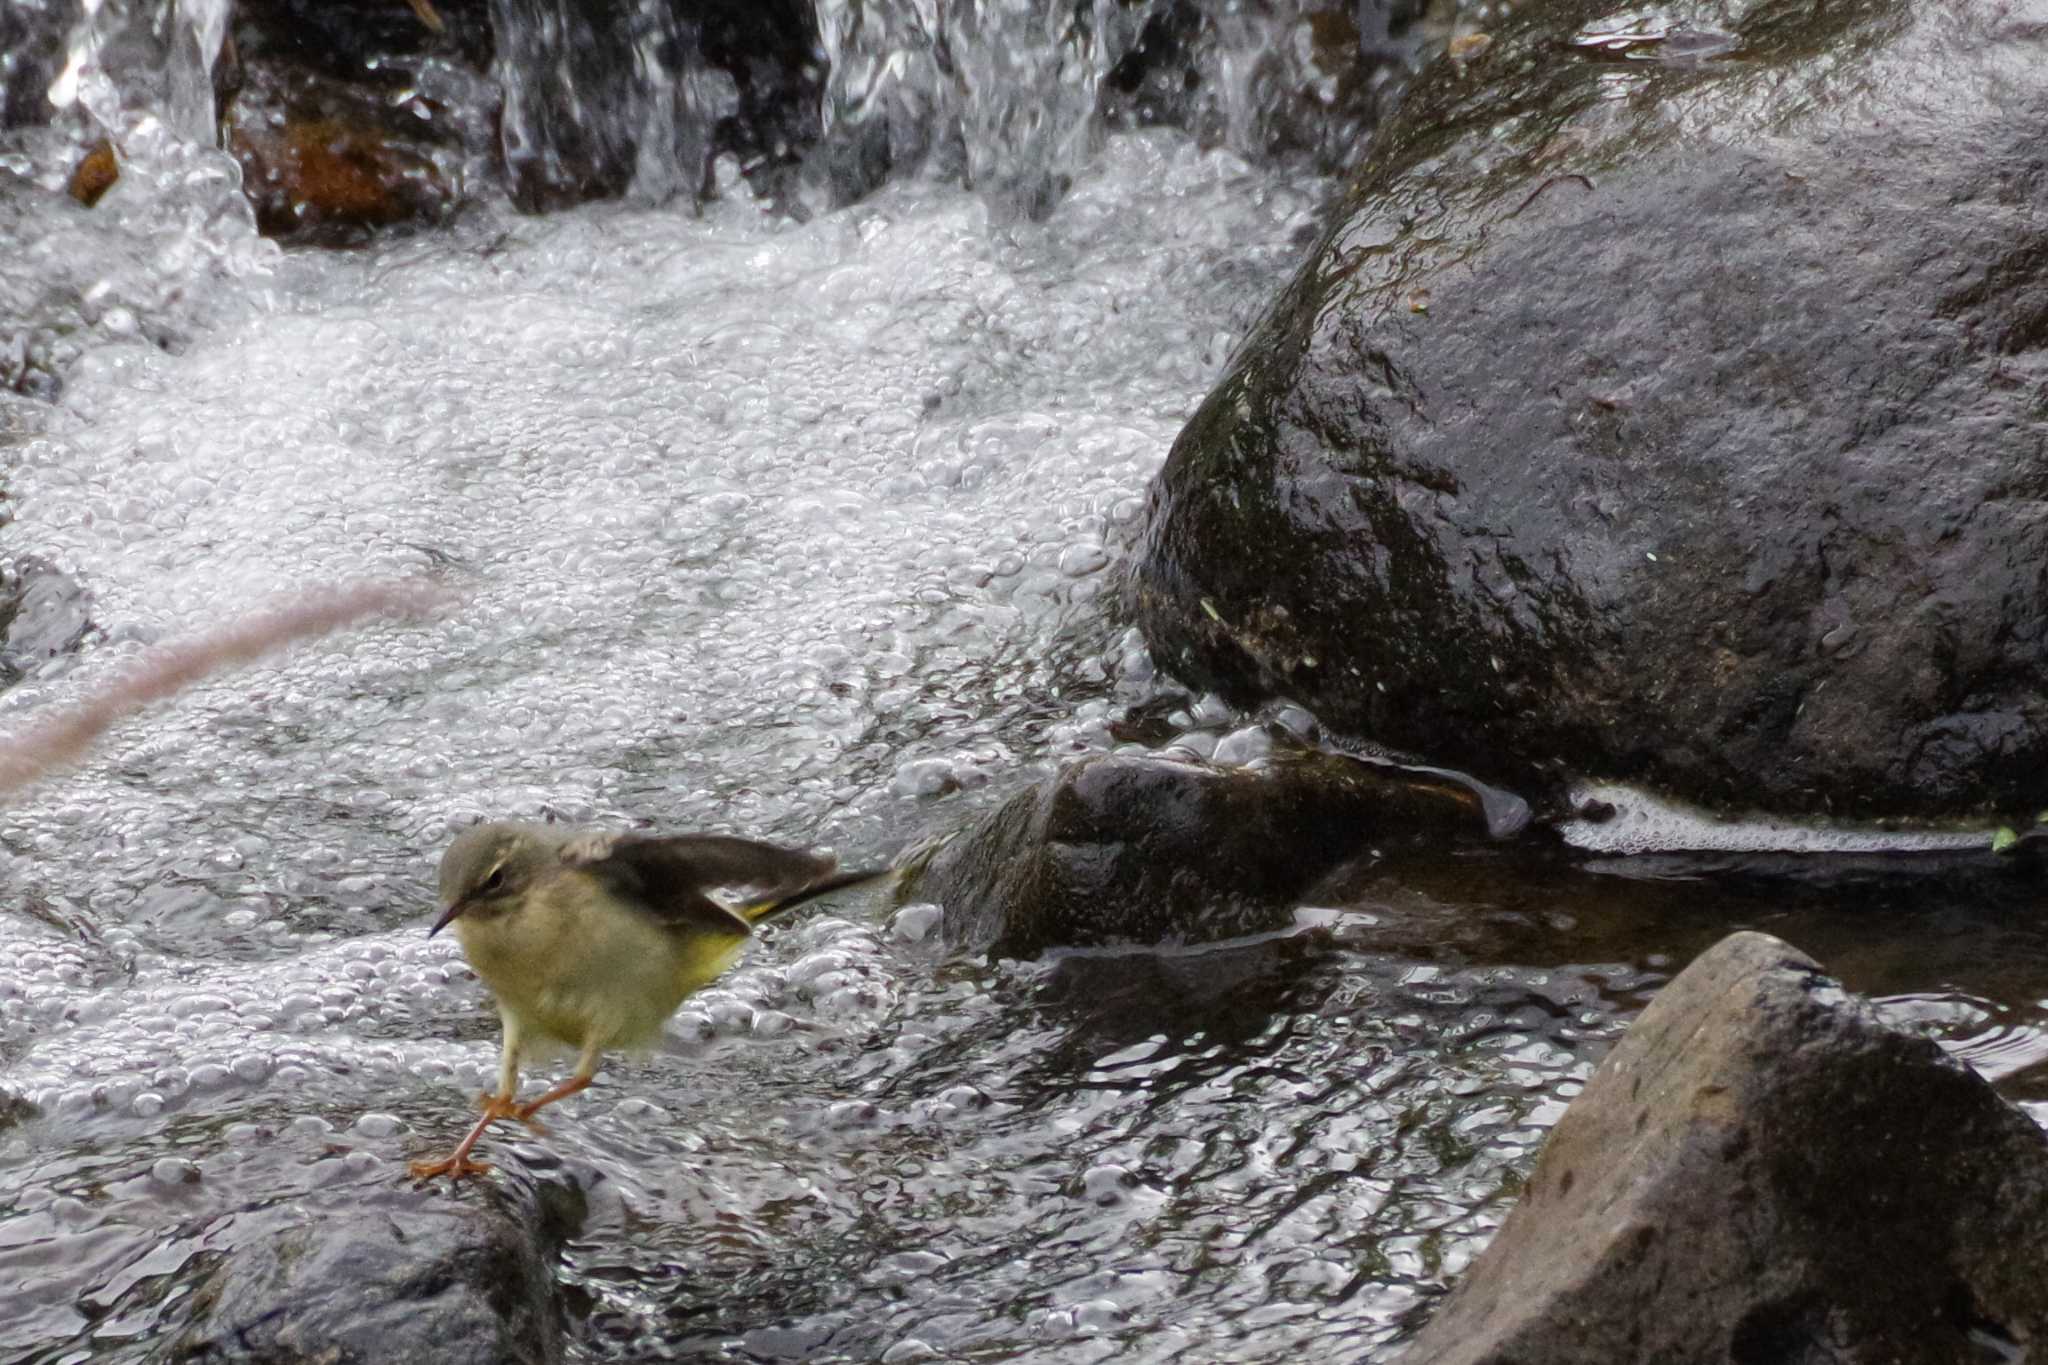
457	1163
454	1167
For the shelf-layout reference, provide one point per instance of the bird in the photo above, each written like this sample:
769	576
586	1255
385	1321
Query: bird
593	939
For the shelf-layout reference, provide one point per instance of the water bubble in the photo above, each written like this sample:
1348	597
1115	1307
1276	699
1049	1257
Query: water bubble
1107	1184
1242	746
1098	1315
916	923
377	1125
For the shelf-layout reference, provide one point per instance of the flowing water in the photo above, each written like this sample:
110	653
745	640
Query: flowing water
797	529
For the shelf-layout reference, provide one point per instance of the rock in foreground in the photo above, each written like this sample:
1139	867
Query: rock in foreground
399	1274
1763	1170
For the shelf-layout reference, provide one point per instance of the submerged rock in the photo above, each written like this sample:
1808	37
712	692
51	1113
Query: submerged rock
1765	1170
1142	849
1668	404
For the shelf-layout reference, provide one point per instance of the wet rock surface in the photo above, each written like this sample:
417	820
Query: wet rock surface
325	160
1764	1169
1144	849
350	117
383	1275
1668	405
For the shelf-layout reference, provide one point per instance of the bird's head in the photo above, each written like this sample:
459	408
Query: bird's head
487	869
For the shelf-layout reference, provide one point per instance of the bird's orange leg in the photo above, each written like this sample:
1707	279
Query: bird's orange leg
457	1163
525	1112
586	1071
497	1104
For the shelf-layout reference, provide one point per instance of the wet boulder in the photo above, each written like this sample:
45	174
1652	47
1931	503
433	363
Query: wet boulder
395	1274
1764	1169
1668	403
1136	848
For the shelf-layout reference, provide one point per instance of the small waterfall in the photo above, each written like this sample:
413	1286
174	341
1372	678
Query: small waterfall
133	66
822	100
599	102
1004	93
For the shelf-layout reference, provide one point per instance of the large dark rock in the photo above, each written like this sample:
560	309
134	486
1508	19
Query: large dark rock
1667	404
1143	849
1765	1171
395	1274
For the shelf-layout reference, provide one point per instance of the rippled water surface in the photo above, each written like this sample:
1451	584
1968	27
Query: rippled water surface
798	531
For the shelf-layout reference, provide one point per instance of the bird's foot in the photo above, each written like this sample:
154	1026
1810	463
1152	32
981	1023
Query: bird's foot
457	1163
454	1167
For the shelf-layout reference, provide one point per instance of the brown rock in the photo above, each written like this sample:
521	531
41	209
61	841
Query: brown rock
323	173
95	174
1764	1170
329	160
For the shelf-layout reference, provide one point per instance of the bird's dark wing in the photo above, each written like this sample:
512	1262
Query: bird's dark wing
670	875
758	910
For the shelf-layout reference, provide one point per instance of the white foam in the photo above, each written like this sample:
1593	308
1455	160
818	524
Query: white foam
1643	823
753	518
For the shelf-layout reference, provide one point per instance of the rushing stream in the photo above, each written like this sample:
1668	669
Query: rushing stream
802	530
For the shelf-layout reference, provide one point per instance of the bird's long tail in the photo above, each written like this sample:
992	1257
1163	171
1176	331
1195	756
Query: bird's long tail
838	881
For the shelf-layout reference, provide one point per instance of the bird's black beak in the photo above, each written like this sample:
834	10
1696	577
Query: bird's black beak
447	917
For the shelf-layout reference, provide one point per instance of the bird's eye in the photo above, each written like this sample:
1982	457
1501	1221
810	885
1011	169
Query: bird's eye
494	881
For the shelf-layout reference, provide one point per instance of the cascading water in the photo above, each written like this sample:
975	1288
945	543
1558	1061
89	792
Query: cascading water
131	64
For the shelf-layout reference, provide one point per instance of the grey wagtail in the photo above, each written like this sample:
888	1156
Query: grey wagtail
593	940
